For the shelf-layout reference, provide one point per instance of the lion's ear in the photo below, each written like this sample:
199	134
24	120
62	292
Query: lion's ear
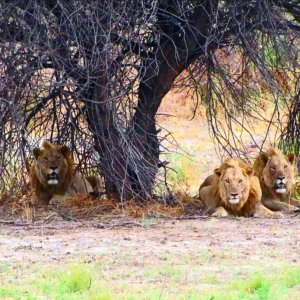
218	172
264	158
249	171
47	145
36	152
65	151
291	157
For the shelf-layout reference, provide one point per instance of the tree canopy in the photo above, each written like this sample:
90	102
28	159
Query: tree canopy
92	74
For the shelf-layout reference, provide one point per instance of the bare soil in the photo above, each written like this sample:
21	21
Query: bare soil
144	241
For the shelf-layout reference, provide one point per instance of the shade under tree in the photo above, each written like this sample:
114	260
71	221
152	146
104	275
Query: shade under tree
92	75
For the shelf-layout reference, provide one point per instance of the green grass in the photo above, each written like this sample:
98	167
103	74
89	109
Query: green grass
259	286
168	281
188	169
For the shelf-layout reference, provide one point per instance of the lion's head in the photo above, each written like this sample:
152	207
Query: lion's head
234	183
275	170
52	165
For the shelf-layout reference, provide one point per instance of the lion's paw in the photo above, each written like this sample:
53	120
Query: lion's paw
278	215
220	213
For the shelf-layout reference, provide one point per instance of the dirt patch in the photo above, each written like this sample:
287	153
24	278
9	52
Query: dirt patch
222	240
147	258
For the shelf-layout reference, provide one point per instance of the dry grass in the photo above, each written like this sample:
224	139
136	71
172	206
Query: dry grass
82	208
193	154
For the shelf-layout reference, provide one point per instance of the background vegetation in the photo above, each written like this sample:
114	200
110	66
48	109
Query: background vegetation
93	74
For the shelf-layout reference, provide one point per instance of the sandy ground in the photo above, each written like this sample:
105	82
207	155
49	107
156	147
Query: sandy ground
274	241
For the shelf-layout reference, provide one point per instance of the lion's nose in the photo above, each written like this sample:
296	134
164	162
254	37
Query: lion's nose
281	177
53	168
234	195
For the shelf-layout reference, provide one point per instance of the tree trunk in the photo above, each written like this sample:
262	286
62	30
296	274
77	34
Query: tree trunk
129	169
113	160
143	132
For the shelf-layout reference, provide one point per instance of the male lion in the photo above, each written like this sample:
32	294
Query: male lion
276	175
53	174
233	190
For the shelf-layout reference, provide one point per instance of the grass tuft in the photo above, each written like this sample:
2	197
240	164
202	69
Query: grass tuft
169	281
77	279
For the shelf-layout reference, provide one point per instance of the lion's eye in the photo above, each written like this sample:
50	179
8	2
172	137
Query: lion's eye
285	166
240	181
227	180
45	158
273	168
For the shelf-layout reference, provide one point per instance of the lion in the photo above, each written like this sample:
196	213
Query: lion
234	190
52	173
276	176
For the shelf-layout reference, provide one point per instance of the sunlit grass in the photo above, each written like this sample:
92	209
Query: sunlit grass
168	281
200	155
279	285
185	174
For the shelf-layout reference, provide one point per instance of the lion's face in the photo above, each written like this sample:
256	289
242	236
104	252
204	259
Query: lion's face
278	173
51	163
234	184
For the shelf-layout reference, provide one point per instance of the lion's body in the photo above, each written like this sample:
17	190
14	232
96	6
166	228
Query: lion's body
53	174
276	176
233	190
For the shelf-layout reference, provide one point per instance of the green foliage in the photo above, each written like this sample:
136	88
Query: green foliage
77	279
181	164
185	170
273	56
292	147
95	296
81	281
291	277
260	287
256	287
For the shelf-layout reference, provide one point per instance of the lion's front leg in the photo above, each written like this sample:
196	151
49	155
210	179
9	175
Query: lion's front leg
59	200
220	212
263	212
206	196
278	205
42	197
95	182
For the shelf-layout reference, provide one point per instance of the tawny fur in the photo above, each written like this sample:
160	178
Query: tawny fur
69	183
212	192
284	166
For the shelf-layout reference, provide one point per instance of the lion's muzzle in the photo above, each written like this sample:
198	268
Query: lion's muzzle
52	176
234	199
280	185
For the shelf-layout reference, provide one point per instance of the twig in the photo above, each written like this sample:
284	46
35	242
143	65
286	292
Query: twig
15	223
